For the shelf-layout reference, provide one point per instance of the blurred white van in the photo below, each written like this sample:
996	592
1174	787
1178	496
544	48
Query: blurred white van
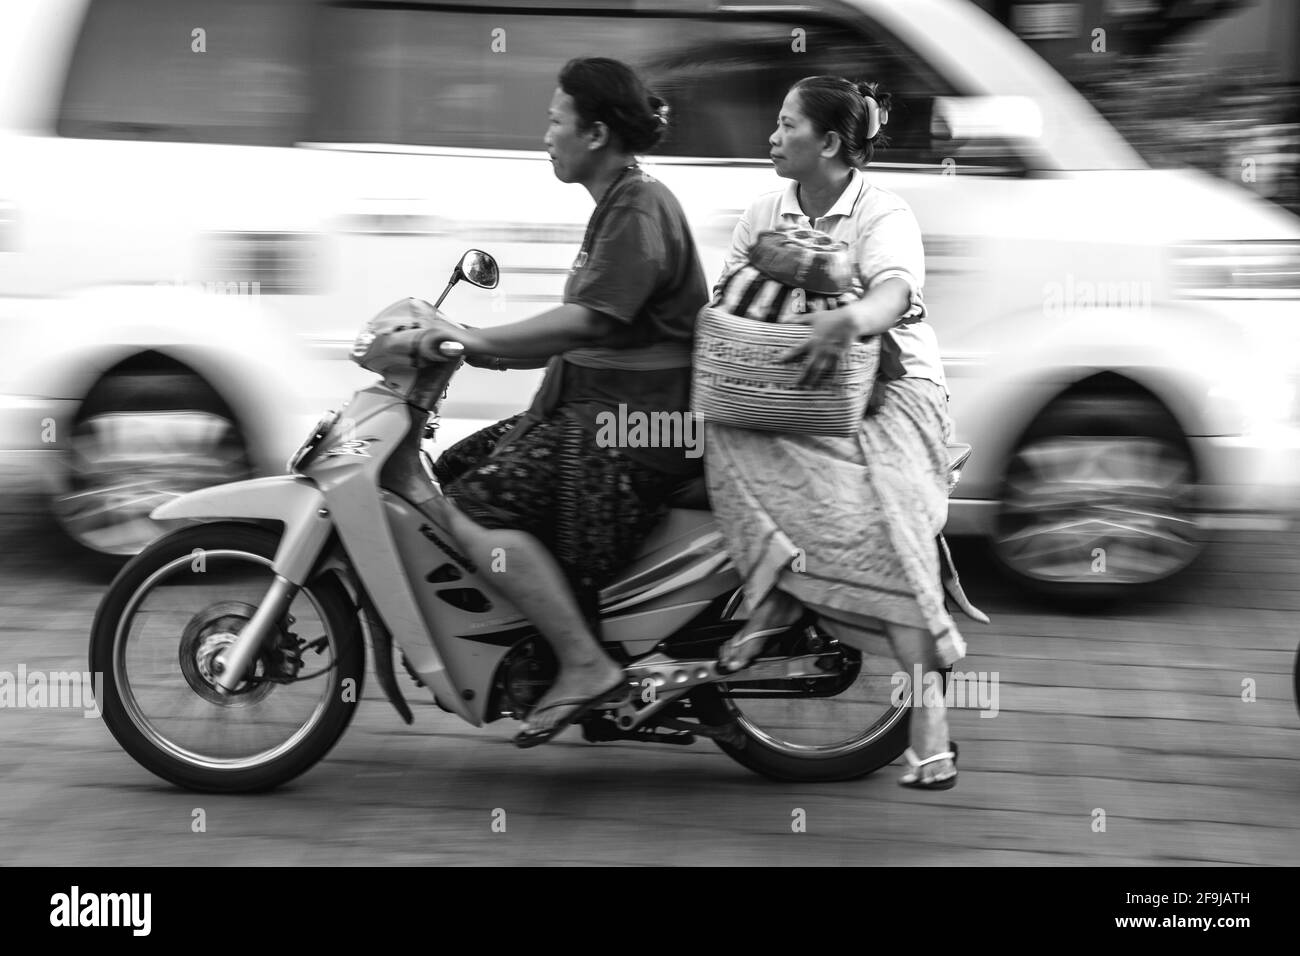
202	201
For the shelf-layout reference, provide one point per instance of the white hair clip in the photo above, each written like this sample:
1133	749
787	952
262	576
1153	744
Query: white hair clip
876	117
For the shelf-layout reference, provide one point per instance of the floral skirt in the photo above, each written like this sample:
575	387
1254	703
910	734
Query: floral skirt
592	507
847	527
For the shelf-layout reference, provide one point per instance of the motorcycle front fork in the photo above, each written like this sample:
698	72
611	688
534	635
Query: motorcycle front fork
231	665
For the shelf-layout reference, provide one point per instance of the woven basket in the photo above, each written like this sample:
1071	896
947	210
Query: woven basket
738	381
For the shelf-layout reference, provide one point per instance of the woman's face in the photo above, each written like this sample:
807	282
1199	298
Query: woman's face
568	146
796	145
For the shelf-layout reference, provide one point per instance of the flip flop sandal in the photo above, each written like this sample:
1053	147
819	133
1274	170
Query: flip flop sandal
914	780
533	738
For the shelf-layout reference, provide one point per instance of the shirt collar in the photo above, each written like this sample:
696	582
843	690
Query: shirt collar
842	207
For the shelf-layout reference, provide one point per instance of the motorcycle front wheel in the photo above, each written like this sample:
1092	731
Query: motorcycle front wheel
154	648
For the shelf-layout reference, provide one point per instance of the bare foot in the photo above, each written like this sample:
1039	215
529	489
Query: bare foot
576	684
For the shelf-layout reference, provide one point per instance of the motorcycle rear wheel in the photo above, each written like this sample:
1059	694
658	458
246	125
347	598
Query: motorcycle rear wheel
770	730
205	573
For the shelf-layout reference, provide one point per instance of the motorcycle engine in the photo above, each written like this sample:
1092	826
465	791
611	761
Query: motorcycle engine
526	672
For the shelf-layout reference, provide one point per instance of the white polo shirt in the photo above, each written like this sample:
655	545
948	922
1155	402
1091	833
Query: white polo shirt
886	241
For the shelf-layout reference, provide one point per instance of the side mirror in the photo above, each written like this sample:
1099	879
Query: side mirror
966	119
480	269
475	267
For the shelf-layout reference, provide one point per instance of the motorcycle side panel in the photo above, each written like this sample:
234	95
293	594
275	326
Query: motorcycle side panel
475	625
681	568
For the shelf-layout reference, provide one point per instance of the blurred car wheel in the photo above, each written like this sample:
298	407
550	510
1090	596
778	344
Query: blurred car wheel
1098	499
139	441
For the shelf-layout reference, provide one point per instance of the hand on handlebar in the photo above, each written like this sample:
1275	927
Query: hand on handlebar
412	344
444	342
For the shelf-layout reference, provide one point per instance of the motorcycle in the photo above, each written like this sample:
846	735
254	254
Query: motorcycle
230	653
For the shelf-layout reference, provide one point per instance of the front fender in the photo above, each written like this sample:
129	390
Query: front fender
292	499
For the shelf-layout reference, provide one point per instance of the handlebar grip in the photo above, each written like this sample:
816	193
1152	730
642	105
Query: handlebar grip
451	349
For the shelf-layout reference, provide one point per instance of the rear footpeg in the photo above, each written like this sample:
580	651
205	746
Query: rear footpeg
726	734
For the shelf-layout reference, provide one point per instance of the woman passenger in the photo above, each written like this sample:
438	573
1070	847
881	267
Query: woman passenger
864	511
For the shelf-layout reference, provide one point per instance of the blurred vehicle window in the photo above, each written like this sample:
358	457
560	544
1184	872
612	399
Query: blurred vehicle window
451	78
484	80
140	71
727	83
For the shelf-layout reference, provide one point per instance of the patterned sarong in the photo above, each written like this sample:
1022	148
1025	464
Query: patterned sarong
846	526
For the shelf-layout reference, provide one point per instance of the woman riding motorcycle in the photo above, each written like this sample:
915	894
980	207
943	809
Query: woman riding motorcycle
564	510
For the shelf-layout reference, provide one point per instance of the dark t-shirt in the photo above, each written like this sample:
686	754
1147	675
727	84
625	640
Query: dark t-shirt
641	269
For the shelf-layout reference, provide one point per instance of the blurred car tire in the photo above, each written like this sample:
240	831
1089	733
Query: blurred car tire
138	440
1097	500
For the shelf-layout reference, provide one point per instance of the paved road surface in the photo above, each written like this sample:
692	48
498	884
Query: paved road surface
1137	711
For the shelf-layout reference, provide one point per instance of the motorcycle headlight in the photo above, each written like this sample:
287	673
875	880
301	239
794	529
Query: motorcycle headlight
361	345
1253	269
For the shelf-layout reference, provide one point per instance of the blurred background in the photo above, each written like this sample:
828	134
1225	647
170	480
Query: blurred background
1195	82
203	201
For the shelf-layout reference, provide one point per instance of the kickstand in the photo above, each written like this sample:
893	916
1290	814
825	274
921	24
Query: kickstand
729	733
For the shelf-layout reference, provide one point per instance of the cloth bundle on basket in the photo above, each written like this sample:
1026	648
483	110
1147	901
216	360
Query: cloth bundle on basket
788	274
759	312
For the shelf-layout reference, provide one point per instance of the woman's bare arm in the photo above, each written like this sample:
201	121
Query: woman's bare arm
881	308
504	364
834	330
529	343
